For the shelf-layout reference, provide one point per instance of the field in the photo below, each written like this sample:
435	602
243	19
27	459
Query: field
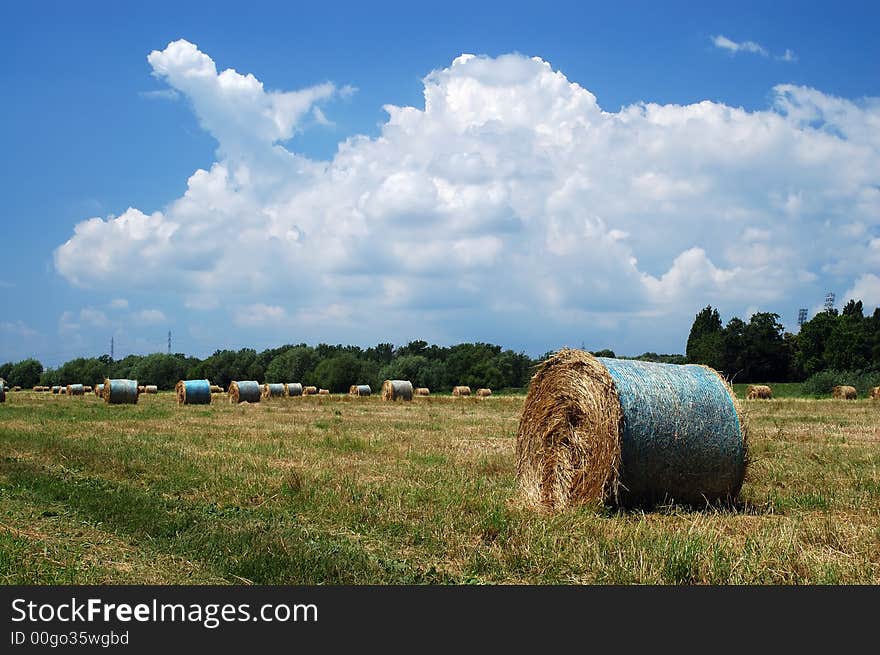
356	491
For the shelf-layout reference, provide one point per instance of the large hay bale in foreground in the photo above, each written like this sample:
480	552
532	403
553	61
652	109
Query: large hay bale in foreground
120	392
844	392
461	391
360	390
875	393
422	391
244	391
193	392
273	390
759	392
310	391
484	393
628	432
397	390
75	390
293	389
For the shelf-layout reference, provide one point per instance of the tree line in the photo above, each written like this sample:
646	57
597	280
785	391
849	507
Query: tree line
834	344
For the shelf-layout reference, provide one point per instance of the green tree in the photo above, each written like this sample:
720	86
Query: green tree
764	355
812	341
340	372
295	364
25	374
160	369
705	341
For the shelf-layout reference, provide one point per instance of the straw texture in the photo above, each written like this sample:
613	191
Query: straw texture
193	392
244	391
397	390
120	392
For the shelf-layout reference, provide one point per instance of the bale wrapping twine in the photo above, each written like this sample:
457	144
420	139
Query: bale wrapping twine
628	432
193	392
844	392
293	389
461	391
273	390
245	391
360	390
120	392
397	390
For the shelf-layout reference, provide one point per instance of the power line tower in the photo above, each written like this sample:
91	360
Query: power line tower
802	316
169	342
111	349
829	301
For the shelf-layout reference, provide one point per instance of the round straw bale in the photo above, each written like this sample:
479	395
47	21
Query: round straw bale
310	391
323	392
141	388
216	388
2	391
16	388
273	390
359	390
56	388
484	393
422	391
875	393
75	390
99	390
844	392
759	392
193	392
628	432
151	388
120	392
87	389
397	390
461	391
244	391
293	389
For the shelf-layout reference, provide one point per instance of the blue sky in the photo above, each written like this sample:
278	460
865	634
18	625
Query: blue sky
486	216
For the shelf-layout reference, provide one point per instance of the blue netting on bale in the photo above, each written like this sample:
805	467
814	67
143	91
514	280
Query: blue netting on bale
245	391
121	392
294	389
75	390
194	392
273	390
680	438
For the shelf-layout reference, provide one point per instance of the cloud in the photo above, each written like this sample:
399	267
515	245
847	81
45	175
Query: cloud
161	94
119	303
18	328
724	43
788	56
866	289
511	203
150	316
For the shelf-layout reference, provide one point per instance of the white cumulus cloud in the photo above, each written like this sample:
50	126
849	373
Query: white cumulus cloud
511	199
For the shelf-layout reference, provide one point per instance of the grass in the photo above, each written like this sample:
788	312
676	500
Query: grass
353	491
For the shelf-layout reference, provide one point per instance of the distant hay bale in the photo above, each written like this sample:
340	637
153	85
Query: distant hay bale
274	390
397	390
151	388
844	392
193	392
484	393
2	391
323	392
628	432
120	392
875	393
99	390
360	390
310	391
141	388
216	388
293	389
244	391
421	391
75	390
461	391
87	389
56	389
759	392
16	388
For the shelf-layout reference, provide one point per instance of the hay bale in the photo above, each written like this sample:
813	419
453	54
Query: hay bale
310	391
16	388
151	388
844	392
120	392
397	390
293	389
2	391
875	393
274	390
99	390
461	391
193	392
484	393
323	392
244	391
360	390
216	388
140	388
75	390
759	392
87	389
628	432
56	389
422	391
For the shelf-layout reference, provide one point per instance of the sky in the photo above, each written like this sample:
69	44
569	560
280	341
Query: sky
529	174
